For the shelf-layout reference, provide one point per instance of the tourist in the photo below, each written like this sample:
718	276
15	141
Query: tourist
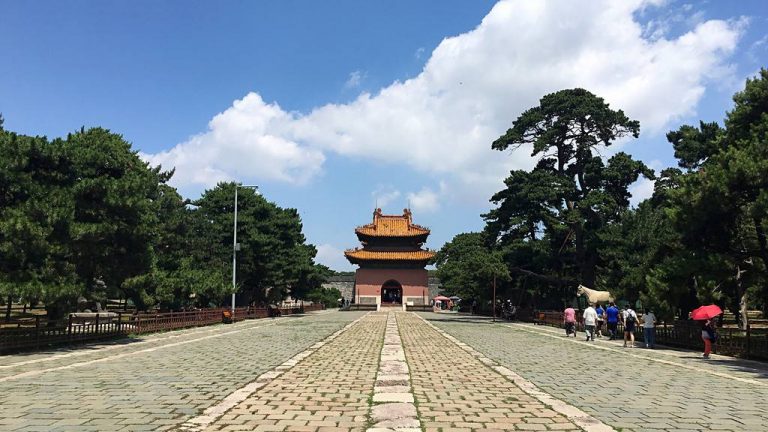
708	335
569	319
630	319
600	319
649	328
612	318
590	321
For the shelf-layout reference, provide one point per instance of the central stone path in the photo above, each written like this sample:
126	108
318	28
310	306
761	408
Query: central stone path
386	372
328	390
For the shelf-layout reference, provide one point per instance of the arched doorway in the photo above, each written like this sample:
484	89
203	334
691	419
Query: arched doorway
391	292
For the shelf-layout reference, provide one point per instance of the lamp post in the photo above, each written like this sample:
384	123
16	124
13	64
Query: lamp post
235	248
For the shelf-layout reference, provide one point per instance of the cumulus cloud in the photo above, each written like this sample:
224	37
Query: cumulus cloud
248	140
424	201
332	257
427	199
385	195
442	121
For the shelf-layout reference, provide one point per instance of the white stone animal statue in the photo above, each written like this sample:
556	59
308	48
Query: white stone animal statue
594	296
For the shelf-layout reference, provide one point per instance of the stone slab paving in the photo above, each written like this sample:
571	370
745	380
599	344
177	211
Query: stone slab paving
47	359
629	389
330	390
153	386
456	392
393	407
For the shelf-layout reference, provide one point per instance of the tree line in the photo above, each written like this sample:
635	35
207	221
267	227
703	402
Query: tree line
700	238
84	217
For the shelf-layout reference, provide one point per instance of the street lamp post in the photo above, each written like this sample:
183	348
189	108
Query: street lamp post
236	247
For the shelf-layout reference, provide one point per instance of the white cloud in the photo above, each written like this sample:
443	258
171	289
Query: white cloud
641	190
419	53
427	200
248	140
332	257
355	79
424	201
385	195
473	86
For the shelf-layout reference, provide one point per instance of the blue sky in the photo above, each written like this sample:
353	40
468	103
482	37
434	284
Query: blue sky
333	106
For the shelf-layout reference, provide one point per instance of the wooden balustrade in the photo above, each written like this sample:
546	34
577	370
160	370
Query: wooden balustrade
19	335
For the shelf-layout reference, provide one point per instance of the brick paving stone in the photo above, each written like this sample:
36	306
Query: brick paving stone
327	391
621	387
163	387
456	392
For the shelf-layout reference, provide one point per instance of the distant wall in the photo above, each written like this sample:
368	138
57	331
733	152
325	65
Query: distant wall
346	285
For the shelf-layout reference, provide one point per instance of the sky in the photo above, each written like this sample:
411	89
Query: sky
336	107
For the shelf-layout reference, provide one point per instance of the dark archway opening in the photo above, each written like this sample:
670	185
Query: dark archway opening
391	292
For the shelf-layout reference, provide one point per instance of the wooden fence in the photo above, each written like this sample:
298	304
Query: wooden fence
37	333
750	343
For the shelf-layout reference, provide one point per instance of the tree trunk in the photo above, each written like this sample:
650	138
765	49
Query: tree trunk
744	322
8	308
586	269
742	293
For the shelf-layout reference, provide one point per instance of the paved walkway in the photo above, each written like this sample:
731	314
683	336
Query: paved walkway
377	372
632	389
152	385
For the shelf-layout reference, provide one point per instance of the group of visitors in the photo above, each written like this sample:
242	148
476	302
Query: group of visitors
595	316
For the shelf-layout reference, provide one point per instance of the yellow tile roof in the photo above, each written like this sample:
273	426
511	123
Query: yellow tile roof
392	226
366	255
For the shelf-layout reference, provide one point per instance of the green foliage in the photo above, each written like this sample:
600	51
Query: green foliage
548	221
720	206
115	214
467	267
274	260
35	216
326	296
86	217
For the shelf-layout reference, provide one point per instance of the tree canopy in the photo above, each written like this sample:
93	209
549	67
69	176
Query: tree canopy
700	238
467	267
85	217
547	221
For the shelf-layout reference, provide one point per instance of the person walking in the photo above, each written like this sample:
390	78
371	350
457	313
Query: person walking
649	328
590	321
612	319
630	319
708	335
600	320
569	320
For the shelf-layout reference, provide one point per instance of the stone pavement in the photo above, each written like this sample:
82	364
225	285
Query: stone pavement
154	384
351	371
337	387
329	390
629	389
456	392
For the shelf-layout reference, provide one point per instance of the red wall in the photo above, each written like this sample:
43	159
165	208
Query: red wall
368	282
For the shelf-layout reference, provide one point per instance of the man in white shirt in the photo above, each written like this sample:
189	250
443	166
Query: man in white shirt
649	328
590	320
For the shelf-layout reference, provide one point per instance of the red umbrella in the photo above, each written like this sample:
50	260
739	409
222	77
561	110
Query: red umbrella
706	312
441	298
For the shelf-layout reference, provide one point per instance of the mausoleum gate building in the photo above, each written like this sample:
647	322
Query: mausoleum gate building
391	261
